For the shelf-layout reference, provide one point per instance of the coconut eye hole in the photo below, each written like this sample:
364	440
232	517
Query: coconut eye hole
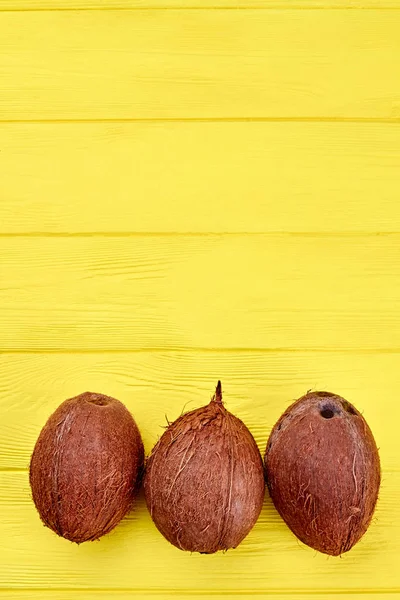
349	408
326	413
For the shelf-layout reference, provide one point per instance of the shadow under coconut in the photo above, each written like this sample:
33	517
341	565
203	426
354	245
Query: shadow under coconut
138	510
128	533
270	531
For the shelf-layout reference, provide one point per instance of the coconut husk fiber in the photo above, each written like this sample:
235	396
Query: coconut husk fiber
204	481
323	471
86	467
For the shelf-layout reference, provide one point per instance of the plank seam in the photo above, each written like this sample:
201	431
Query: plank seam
14	470
280	7
200	234
378	120
208	593
187	349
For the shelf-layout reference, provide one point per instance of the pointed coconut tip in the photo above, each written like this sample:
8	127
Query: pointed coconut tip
218	394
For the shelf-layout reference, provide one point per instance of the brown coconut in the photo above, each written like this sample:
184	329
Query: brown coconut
86	466
323	471
204	481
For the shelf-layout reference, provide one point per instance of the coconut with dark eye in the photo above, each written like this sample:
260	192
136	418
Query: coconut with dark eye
204	481
323	472
86	466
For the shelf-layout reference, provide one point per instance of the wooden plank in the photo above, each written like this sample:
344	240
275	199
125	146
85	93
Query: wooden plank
34	5
187	595
156	386
56	594
208	291
198	177
190	4
257	388
270	559
199	64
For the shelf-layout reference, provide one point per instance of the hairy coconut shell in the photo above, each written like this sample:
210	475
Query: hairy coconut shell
323	471
86	466
204	481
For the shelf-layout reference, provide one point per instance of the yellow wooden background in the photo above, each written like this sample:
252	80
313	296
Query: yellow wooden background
193	190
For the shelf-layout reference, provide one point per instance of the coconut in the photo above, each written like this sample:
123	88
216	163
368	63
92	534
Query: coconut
204	481
86	466
323	472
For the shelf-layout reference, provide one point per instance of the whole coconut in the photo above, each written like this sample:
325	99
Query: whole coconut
323	472
86	466
204	481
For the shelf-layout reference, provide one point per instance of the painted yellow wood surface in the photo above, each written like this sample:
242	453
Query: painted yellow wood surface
186	195
130	555
303	291
126	595
70	5
260	386
207	177
200	64
156	385
16	5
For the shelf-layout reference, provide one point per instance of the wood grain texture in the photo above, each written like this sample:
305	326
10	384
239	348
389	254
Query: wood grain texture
260	562
253	135
57	594
206	291
199	64
258	387
199	177
34	5
155	387
130	594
